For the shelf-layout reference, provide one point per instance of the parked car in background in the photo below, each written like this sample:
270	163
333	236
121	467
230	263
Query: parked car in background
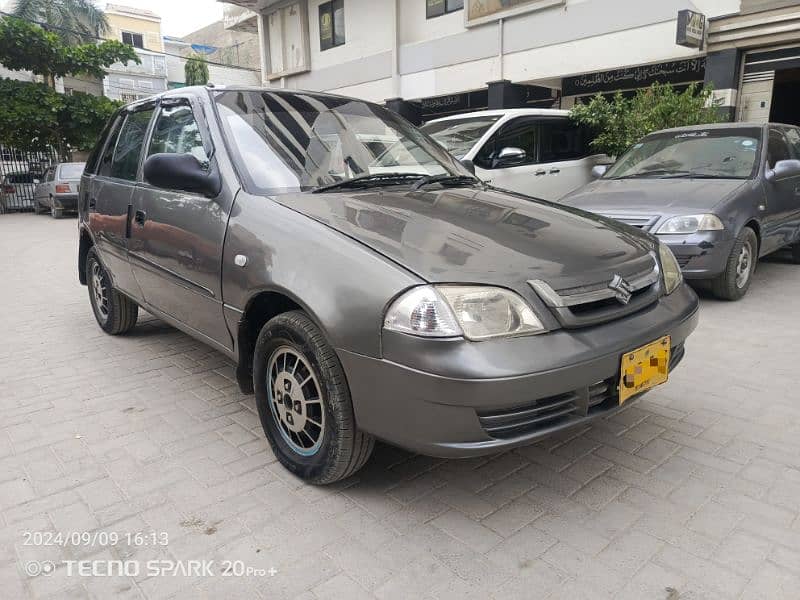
17	191
720	196
414	305
58	190
537	152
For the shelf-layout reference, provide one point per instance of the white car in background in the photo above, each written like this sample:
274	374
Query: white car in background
534	151
58	190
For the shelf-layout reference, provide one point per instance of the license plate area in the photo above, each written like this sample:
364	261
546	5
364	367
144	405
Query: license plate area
644	368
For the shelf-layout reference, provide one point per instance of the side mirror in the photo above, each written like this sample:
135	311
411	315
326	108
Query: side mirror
510	157
599	170
182	172
783	169
468	165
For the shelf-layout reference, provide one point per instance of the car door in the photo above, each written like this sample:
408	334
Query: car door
508	159
111	195
793	216
782	196
41	195
565	155
177	237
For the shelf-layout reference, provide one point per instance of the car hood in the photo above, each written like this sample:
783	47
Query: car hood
481	236
652	196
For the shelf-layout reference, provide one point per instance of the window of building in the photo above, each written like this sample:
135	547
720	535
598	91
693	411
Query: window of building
331	24
131	139
437	8
287	40
133	39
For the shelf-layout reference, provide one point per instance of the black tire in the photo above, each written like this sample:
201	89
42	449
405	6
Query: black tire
342	448
56	213
117	315
795	250
728	285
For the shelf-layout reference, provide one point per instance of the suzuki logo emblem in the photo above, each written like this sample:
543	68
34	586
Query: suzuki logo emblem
621	288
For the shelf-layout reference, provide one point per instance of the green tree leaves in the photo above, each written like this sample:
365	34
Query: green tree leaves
196	70
621	122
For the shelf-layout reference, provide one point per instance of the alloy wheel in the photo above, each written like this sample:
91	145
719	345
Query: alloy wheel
99	291
744	265
295	400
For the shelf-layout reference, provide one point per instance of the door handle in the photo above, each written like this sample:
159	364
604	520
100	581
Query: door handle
555	171
797	190
540	172
140	217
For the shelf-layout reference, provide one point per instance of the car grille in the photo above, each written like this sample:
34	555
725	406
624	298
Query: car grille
642	222
596	303
554	411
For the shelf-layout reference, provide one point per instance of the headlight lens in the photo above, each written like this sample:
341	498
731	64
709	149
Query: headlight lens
670	268
691	224
476	312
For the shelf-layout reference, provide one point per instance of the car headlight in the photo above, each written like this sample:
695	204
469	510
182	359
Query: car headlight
691	224
670	269
474	312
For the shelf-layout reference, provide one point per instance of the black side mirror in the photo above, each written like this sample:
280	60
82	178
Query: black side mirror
784	169
182	172
468	165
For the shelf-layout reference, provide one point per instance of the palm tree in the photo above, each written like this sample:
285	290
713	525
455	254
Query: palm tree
75	21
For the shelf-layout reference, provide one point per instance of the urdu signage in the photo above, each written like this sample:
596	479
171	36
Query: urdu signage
485	11
691	29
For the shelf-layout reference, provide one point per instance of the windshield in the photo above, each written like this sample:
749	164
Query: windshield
460	135
289	142
70	171
712	154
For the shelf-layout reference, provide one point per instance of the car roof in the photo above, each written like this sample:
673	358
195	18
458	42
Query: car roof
510	112
708	126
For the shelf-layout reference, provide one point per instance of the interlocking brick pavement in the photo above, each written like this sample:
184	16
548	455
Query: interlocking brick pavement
692	492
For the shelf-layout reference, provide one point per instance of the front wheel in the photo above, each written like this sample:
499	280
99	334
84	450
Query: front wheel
734	281
304	402
116	314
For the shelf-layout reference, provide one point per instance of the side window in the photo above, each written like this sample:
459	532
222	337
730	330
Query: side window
125	164
176	132
561	139
104	166
793	137
519	133
777	149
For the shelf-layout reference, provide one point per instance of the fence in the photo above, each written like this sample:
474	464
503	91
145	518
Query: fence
18	173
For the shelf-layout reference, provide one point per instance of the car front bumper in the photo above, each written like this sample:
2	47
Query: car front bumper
701	255
452	398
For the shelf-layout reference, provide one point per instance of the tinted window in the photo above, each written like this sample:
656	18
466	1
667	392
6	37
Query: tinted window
126	156
793	137
518	133
331	24
176	132
561	139
777	150
104	167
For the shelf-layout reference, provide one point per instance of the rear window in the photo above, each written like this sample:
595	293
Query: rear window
71	171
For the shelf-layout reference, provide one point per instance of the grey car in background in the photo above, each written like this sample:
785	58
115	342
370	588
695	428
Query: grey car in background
58	189
720	196
365	294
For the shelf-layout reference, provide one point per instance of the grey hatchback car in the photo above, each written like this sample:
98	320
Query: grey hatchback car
370	290
720	196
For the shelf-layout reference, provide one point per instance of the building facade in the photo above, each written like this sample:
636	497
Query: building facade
429	58
141	29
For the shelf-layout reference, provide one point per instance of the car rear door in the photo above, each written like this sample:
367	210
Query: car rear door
177	237
111	195
782	197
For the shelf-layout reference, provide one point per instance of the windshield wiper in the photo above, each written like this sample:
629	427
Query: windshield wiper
654	173
368	180
445	179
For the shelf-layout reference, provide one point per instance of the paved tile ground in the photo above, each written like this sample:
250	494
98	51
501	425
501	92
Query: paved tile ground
691	493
